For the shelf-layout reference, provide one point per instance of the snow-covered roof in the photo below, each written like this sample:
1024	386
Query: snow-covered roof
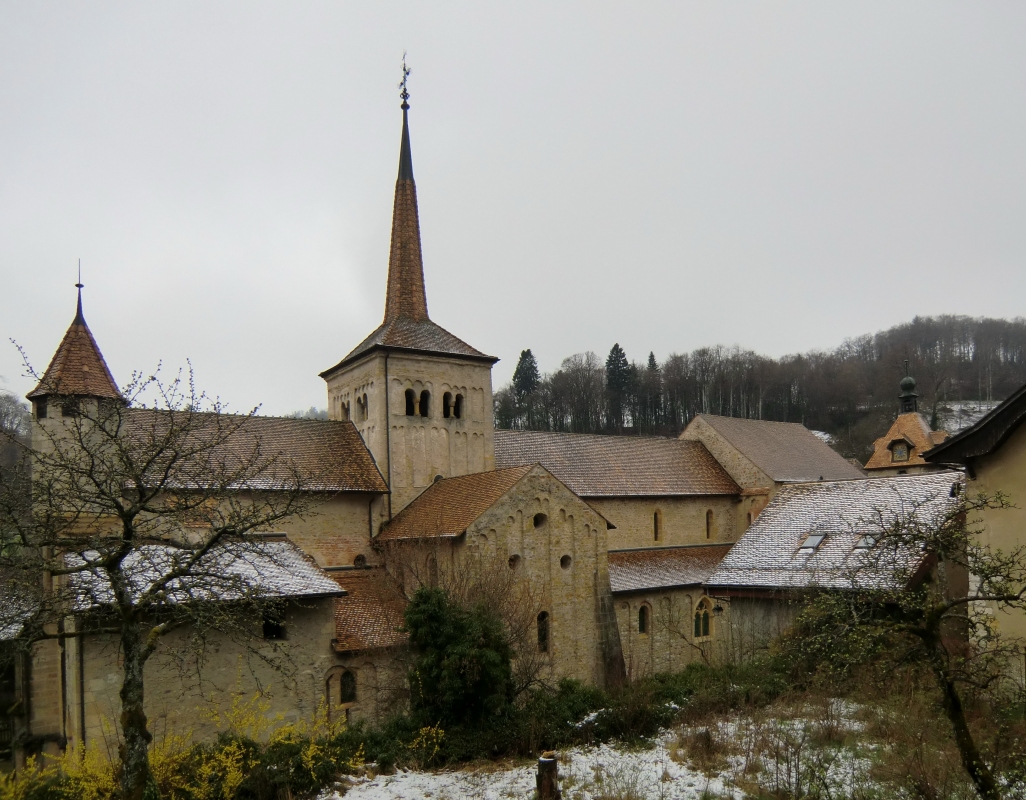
230	571
770	555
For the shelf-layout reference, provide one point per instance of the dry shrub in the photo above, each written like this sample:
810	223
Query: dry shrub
704	749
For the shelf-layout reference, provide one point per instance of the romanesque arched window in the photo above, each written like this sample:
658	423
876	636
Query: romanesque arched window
657	525
425	403
457	407
347	688
543	632
644	619
365	407
447	405
432	569
708	524
411	402
703	625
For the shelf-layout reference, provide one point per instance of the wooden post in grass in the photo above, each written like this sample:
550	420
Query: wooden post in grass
548	774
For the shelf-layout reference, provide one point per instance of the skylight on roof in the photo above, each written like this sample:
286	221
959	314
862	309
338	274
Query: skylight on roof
866	542
812	542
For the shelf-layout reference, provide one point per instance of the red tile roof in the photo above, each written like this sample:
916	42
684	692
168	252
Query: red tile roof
663	567
327	455
448	507
617	466
787	452
913	429
77	368
370	616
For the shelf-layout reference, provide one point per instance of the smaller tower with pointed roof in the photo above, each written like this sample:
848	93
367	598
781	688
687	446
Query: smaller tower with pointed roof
900	451
76	373
420	397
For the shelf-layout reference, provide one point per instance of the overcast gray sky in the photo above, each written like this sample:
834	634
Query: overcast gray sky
779	176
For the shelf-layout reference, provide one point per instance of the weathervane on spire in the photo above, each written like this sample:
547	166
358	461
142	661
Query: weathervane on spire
78	314
404	92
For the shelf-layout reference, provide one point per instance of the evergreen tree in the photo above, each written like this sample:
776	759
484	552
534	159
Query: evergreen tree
525	376
618	378
653	389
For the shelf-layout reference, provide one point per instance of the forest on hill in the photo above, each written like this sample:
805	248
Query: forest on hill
849	392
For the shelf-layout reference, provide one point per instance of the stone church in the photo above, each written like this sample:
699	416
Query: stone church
608	540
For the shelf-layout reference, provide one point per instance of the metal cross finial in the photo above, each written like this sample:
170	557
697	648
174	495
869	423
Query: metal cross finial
404	92
79	285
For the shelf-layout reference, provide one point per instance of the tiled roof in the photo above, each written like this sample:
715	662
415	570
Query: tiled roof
987	435
663	567
328	455
766	556
449	506
406	325
77	368
371	614
403	333
230	571
786	451
617	466
915	430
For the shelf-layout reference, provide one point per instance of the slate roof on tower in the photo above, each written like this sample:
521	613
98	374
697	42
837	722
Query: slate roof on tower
77	368
406	325
617	466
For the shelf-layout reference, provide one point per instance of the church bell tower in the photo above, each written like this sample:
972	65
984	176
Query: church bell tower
420	397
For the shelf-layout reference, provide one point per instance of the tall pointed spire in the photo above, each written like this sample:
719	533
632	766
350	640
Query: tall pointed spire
78	367
406	296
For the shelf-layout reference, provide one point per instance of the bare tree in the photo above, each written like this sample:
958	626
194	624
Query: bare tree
142	518
923	587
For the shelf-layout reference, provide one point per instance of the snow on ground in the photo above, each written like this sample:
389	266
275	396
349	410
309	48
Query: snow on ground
584	773
783	755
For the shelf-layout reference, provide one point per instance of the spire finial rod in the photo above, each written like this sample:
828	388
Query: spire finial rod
78	315
404	92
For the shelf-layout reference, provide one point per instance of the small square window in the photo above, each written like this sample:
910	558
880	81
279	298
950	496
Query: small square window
812	542
274	629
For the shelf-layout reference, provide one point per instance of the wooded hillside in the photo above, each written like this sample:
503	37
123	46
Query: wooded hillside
849	392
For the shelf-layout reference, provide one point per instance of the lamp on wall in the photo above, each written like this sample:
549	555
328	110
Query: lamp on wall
717	609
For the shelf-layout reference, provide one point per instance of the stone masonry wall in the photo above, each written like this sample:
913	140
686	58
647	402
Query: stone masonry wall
682	520
184	697
562	559
744	472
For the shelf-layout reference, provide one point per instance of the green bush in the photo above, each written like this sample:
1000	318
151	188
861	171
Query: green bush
461	671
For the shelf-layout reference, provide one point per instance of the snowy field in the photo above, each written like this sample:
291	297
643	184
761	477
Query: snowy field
584	773
778	754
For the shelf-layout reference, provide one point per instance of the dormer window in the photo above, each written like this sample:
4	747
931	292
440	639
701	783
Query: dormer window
810	544
899	451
